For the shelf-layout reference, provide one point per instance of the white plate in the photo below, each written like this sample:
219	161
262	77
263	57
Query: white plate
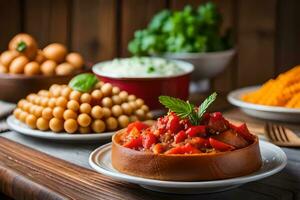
265	112
22	128
274	160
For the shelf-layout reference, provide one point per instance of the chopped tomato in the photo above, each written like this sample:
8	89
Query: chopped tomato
134	143
173	124
217	123
200	142
196	131
158	148
134	133
231	137
243	131
186	149
138	125
220	146
180	136
148	140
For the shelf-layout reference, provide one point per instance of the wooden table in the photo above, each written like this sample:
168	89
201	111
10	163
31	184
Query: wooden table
40	169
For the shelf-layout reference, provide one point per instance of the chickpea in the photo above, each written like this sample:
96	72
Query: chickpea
115	90
48	67
116	99
139	102
52	102
107	102
123	95
47	113
106	112
98	126
127	109
84	130
56	125
140	114
66	92
31	121
23	116
97	112
70	114
145	108
56	92
32	68
53	87
106	89
149	115
133	105
116	110
131	97
97	94
21	103
58	112
111	123
27	106
37	100
38	111
85	108
44	101
99	84
84	120
123	121
44	93
32	109
17	112
42	124
85	98
70	125
75	95
61	102
73	105
133	118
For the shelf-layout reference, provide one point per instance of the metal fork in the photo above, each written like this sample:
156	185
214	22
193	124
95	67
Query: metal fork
281	135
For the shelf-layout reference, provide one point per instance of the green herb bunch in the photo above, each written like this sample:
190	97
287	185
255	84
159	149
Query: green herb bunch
186	110
189	30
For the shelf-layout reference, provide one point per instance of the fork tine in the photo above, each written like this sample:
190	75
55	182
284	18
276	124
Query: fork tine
270	132
280	132
284	134
274	132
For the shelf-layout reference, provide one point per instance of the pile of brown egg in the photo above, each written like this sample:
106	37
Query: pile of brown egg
62	109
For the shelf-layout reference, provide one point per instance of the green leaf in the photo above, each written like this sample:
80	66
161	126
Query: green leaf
206	103
181	108
21	46
83	82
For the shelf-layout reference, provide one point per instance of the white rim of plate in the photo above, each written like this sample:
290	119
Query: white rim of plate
234	98
11	121
178	184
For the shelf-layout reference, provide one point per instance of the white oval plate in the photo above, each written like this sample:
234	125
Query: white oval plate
22	128
274	160
261	111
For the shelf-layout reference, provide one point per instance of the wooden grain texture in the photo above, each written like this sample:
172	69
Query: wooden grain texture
94	29
256	41
47	20
10	21
287	35
136	14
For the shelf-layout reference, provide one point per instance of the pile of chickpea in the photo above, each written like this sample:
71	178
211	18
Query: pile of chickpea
62	109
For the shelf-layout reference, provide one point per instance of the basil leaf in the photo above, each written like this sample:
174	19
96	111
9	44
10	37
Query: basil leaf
206	103
83	82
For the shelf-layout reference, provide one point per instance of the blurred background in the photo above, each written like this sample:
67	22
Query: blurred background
266	33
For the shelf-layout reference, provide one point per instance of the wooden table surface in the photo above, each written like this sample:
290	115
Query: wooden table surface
40	169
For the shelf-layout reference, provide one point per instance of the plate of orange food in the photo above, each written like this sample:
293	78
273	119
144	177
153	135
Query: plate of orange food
187	151
277	99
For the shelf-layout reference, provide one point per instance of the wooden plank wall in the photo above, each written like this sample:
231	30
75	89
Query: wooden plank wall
101	29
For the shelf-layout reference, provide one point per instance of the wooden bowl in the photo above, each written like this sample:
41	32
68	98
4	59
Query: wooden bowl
187	167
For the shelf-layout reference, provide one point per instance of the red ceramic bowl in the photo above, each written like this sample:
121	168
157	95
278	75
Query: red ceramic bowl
150	88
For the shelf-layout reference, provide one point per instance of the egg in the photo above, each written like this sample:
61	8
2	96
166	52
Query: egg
18	64
56	52
75	59
64	69
48	67
32	68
